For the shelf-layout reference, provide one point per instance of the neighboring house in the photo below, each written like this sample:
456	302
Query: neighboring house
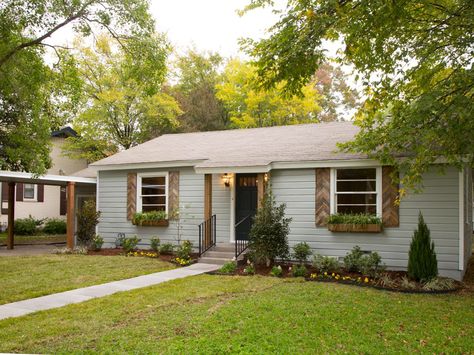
44	201
222	173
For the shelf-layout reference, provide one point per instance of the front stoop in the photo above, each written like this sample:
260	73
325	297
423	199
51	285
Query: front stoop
219	254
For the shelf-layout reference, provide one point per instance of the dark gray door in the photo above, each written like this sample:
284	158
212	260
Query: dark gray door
245	204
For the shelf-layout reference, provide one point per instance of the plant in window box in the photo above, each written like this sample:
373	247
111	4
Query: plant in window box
356	223
152	218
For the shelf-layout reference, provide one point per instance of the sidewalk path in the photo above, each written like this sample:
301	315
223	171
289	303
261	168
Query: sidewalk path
20	308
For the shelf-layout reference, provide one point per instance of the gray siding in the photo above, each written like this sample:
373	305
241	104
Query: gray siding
439	204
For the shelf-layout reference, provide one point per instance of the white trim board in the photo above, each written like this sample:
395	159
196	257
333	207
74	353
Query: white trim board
47	179
461	219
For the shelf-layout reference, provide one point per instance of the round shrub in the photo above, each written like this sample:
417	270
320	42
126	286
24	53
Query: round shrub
55	226
25	226
302	252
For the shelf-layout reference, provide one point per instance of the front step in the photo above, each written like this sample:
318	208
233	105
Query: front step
219	254
215	261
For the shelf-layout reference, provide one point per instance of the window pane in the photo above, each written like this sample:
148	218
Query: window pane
155	200
153	208
355	174
350	186
153	190
356	199
356	209
157	180
248	181
29	191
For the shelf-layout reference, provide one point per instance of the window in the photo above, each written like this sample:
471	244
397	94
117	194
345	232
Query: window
152	192
29	192
356	191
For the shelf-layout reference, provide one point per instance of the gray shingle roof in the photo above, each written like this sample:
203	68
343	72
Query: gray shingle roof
243	147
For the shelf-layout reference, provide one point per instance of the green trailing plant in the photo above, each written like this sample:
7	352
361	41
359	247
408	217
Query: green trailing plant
130	244
359	219
55	226
97	242
301	252
325	263
152	216
276	271
269	233
184	250
166	248
422	262
299	271
228	268
155	244
25	226
87	220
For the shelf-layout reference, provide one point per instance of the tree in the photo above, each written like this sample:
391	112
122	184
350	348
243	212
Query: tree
31	92
123	104
250	106
198	74
416	64
422	263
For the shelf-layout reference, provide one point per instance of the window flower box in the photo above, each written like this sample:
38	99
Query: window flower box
354	223
151	219
355	228
162	223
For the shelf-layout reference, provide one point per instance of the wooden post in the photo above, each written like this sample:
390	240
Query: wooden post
260	188
11	215
207	205
70	214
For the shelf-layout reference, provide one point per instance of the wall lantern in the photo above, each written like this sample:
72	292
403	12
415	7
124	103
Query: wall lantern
226	179
265	177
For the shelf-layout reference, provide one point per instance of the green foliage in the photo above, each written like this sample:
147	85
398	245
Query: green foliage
140	217
97	242
299	271
228	268
249	269
55	226
155	244
369	264
269	233
276	271
25	226
325	263
301	252
130	244
184	250
87	220
439	284
340	218
352	260
413	59
422	262
166	248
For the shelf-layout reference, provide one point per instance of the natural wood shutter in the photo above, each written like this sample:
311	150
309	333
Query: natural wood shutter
131	195
40	193
4	197
390	209
19	191
323	197
173	194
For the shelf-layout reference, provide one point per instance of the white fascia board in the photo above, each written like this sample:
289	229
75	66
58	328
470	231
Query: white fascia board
349	163
45	179
233	169
155	165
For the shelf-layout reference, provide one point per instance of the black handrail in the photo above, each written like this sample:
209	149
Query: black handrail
241	244
207	235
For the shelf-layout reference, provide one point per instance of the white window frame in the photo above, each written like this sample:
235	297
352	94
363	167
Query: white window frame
35	193
378	187
139	188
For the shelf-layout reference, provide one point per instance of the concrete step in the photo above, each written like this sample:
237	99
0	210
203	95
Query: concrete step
215	261
224	247
219	254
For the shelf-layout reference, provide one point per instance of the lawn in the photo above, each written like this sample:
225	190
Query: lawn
34	239
220	314
33	276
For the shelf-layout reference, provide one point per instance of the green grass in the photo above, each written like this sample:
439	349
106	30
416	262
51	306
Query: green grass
33	276
221	314
34	239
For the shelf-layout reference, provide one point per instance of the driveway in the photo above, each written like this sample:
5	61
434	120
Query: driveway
28	250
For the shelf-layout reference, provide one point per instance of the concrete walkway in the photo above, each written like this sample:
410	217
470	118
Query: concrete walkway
30	250
20	308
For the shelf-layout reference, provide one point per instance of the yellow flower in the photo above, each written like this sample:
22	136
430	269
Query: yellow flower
325	274
332	274
366	280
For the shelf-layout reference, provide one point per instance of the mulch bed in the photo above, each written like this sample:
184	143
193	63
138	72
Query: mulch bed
119	251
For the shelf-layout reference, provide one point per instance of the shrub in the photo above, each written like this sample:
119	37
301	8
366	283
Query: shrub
387	281
269	232
87	220
371	264
352	261
66	251
97	242
302	252
140	217
299	271
422	263
55	226
25	226
119	240
228	268
325	263
362	218
276	271
439	284
130	244
249	269
155	244
407	284
166	248
184	250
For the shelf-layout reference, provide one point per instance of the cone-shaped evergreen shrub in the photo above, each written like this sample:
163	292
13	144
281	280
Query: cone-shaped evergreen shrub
422	263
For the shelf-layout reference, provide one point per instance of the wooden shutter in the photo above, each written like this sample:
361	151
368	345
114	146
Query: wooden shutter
131	195
19	191
390	209
323	197
40	192
4	197
62	201
173	194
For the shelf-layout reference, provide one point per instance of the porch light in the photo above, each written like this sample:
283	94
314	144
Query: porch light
226	179
265	177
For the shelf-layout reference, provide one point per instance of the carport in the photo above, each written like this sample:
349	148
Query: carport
72	184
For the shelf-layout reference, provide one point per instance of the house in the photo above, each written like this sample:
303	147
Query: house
44	201
215	180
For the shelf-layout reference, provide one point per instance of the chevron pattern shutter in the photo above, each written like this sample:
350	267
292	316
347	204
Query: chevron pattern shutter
131	195
390	210
173	194
323	197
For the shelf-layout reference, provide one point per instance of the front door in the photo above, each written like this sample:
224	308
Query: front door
246	198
